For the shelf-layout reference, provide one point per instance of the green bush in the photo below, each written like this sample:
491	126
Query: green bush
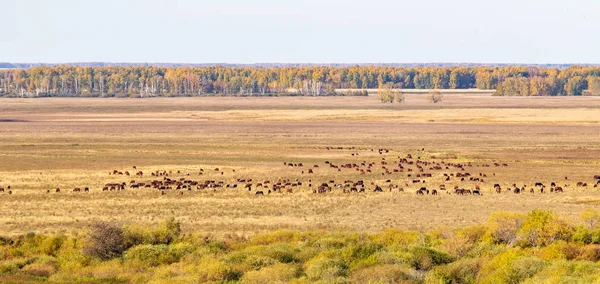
425	258
461	271
51	245
167	231
394	237
154	255
511	266
325	269
210	269
567	272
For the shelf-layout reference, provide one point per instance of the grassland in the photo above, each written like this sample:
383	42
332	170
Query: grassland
76	142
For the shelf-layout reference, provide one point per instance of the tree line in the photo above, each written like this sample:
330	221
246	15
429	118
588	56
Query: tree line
149	81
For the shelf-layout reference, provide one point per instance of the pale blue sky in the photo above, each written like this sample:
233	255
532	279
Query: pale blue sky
316	31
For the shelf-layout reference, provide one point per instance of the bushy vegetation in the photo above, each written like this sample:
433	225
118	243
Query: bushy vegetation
511	248
435	96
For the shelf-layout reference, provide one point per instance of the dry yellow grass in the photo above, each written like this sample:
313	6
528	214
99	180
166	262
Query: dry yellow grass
67	143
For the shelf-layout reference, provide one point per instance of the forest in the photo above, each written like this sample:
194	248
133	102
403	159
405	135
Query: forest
149	81
537	247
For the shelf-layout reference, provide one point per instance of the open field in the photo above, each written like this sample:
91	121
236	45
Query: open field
67	143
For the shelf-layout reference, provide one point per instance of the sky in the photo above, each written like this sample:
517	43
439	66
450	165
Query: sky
308	31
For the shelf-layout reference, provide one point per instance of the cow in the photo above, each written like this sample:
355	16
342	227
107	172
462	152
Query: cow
259	193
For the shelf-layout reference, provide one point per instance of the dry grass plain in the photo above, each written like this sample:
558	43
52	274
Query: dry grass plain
75	142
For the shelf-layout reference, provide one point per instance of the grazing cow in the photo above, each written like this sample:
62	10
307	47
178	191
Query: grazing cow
1	189
57	190
259	193
10	192
77	189
434	192
378	189
476	191
86	189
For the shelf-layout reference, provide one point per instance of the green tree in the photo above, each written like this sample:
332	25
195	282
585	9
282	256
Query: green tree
575	86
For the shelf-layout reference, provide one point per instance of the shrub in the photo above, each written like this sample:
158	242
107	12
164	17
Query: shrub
424	258
462	271
582	235
359	251
512	266
394	237
590	253
434	96
567	272
591	218
281	252
399	97
278	273
542	228
40	269
154	255
326	269
274	237
385	94
167	231
51	245
210	269
106	241
385	273
503	227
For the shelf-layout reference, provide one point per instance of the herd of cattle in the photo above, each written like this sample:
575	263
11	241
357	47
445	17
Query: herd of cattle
416	173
